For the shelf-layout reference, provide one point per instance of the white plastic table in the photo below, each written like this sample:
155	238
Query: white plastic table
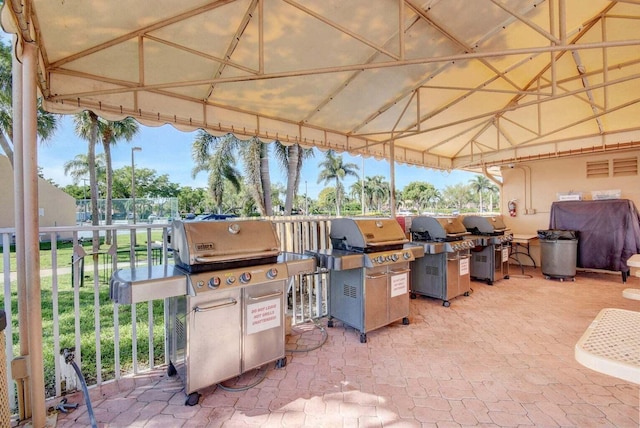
611	344
633	293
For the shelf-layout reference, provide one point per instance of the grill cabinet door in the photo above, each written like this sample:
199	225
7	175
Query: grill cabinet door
398	292
376	296
213	339
263	339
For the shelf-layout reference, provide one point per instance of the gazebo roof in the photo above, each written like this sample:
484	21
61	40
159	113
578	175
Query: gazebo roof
454	84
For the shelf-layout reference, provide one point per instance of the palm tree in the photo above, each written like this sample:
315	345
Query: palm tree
255	155
47	123
216	156
334	169
111	132
479	184
377	191
78	167
87	128
291	159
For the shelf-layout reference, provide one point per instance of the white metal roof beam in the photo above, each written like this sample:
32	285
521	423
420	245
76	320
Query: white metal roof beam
526	21
345	30
530	143
352	67
401	29
140	32
233	43
514	107
458	42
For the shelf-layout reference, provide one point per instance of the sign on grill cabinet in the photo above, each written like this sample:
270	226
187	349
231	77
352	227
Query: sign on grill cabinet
215	336
367	299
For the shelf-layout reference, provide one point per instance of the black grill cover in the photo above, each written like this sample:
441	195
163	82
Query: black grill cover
557	234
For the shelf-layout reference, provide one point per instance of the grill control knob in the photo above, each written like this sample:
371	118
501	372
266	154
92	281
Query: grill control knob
214	282
394	257
245	277
272	273
406	256
231	280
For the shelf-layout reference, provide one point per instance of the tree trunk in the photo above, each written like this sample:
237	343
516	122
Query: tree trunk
95	219
338	197
108	197
292	177
265	178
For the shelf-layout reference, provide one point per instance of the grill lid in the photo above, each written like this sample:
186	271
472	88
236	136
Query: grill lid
366	234
438	228
484	225
210	245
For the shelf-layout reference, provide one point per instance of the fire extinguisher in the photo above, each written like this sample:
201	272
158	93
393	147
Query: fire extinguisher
512	207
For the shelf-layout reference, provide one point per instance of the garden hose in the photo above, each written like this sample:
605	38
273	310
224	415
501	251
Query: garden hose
69	356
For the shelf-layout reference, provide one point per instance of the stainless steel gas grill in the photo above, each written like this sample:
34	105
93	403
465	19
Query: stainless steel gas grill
490	258
443	271
226	299
368	273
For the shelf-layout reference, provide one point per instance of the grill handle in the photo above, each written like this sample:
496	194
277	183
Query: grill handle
376	276
229	302
266	296
393	271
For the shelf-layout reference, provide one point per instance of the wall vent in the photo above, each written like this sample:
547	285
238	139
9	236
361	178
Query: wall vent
598	169
625	166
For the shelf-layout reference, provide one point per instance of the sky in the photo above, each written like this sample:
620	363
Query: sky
168	151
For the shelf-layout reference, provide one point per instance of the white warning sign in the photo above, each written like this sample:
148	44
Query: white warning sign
263	316
505	254
464	266
399	285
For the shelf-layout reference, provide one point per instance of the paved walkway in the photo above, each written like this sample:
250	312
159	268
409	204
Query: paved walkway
502	357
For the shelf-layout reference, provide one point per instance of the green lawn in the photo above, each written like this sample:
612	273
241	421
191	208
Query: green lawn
66	316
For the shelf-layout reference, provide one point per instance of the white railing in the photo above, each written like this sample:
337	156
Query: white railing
121	340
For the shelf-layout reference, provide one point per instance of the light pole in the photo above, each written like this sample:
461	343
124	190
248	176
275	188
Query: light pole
133	181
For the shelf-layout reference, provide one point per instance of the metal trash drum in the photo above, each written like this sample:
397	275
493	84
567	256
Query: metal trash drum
558	253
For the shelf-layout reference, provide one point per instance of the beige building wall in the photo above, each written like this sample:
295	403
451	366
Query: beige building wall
56	208
535	185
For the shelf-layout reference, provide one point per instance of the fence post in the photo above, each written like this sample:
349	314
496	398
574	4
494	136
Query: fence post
5	414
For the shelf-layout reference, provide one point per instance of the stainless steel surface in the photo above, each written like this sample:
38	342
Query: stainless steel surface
370	298
443	272
366	233
337	259
216	336
226	298
416	249
298	264
490	263
369	272
129	286
439	227
484	224
201	245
